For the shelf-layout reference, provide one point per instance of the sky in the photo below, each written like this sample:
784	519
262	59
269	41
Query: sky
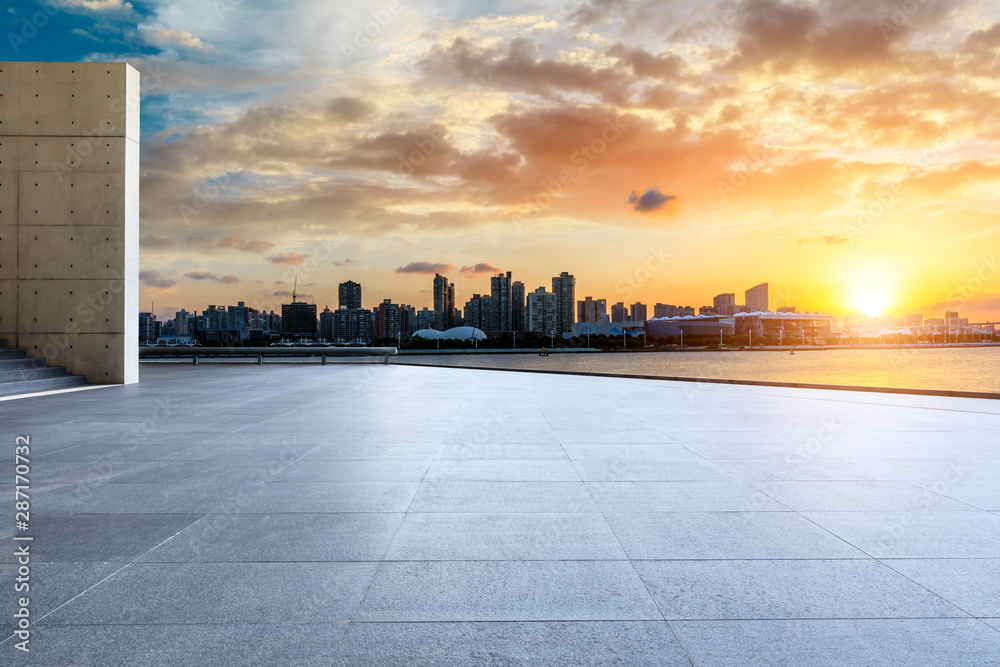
846	152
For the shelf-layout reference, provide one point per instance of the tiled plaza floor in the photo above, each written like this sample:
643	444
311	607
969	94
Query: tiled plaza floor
363	514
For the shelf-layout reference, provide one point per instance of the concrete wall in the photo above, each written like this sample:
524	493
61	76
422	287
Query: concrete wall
69	215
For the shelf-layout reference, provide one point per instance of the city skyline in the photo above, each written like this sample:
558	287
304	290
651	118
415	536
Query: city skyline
848	147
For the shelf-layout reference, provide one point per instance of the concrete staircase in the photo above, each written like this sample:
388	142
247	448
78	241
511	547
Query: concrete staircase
20	375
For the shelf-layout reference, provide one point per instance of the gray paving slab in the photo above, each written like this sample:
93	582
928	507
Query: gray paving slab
50	585
725	535
534	536
96	538
680	497
835	643
925	534
502	470
494	451
541	643
858	496
507	591
582	437
196	593
399	470
630	452
369	452
795	468
503	497
784	589
310	497
304	537
983	494
970	584
622	470
184	645
184	472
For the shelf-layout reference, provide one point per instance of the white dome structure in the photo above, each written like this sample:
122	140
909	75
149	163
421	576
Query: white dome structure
457	333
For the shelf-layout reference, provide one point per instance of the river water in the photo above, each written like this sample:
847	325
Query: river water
955	369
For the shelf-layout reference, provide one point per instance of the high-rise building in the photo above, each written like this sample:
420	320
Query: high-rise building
619	313
389	320
914	320
564	287
239	316
638	313
542	307
353	325
757	298
592	311
517	316
663	310
425	319
724	304
707	310
685	311
149	328
327	328
500	292
479	312
444	303
349	295
298	319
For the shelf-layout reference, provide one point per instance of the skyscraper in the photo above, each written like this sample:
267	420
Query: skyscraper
479	312
564	287
541	311
326	324
349	295
298	319
638	312
665	310
619	313
389	320
517	294
500	292
592	311
353	325
724	304
757	298
444	303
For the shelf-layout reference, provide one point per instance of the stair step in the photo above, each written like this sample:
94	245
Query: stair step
45	384
13	375
13	354
19	364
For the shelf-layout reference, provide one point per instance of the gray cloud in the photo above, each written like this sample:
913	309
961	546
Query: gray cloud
425	268
649	201
153	278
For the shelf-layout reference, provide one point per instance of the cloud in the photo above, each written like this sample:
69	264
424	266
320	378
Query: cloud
96	5
832	239
236	242
650	201
293	258
348	109
153	278
297	295
481	267
343	262
227	279
425	268
181	37
155	241
199	241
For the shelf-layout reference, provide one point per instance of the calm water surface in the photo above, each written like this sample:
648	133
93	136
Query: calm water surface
956	369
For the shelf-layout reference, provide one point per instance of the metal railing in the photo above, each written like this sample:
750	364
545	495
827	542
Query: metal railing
198	352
